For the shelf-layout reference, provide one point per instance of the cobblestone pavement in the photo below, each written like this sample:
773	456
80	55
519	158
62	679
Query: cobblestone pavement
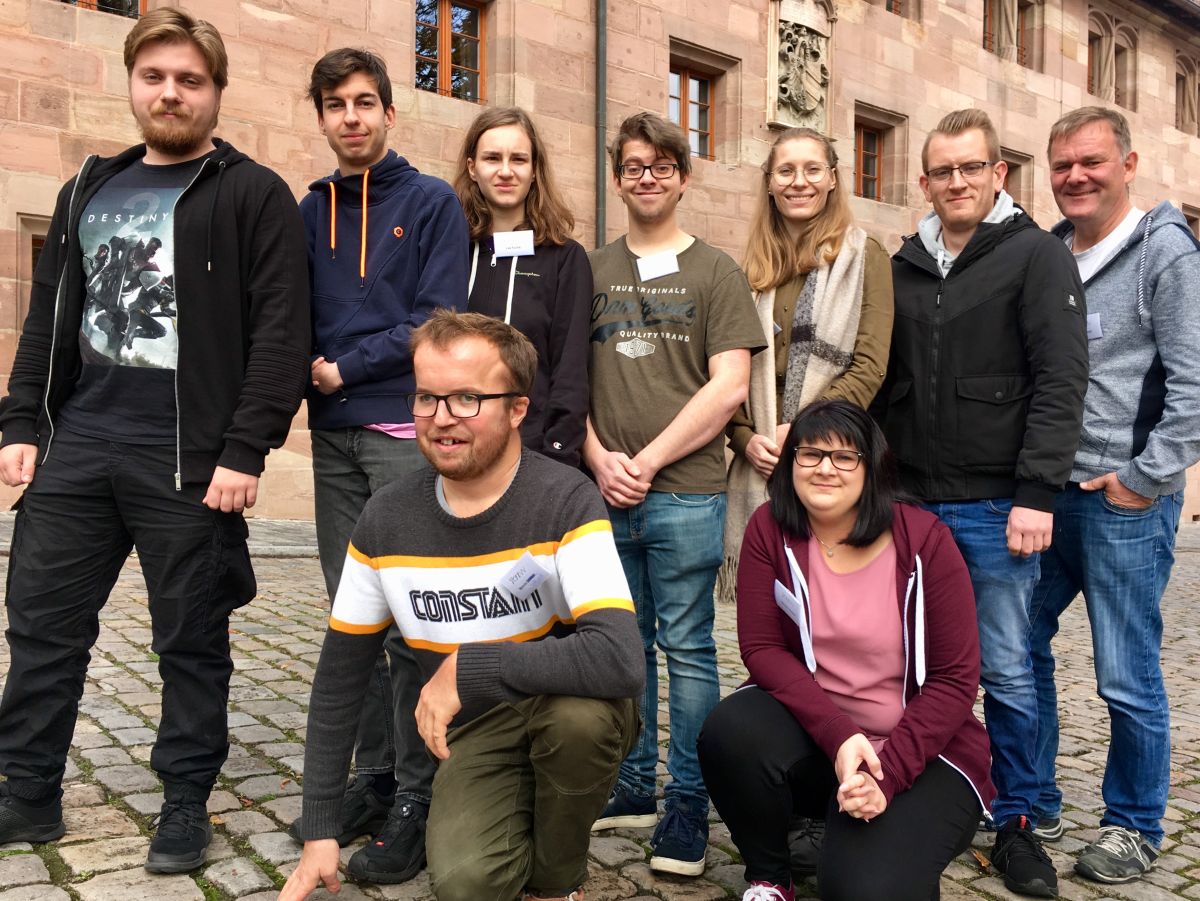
111	793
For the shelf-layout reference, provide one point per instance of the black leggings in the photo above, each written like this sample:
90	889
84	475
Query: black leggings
760	767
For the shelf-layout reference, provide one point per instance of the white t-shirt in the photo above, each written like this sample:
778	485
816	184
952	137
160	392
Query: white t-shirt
1090	260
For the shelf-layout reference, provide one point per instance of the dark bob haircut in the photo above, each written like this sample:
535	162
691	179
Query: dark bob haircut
829	420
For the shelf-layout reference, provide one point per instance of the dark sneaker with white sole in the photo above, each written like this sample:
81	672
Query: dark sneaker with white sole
1118	855
1025	864
626	808
397	853
1049	829
29	821
181	838
364	811
679	842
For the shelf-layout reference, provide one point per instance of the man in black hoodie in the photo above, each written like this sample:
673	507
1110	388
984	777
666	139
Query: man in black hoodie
151	439
982	406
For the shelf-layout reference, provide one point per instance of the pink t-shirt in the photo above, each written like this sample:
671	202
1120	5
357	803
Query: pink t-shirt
857	640
394	429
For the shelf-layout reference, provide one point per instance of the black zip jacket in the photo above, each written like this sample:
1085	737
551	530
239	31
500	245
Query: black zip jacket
241	280
552	307
984	392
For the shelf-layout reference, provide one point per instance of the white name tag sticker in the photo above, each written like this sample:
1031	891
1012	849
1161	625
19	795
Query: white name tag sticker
513	244
524	578
657	265
1093	326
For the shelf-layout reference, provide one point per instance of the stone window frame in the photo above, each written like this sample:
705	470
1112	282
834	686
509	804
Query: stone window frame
892	127
725	94
1019	181
1112	59
445	59
124	8
31	237
905	9
1187	88
1192	215
1026	46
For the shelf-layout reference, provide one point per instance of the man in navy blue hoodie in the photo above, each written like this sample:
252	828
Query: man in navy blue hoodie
379	269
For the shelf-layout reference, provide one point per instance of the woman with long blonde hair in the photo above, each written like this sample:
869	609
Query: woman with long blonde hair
527	270
823	290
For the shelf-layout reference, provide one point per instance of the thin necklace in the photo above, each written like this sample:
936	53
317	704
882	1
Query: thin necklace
828	549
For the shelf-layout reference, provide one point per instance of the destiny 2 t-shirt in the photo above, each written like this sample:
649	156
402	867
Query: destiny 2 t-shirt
128	339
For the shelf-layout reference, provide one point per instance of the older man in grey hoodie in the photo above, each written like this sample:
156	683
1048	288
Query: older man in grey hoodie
1114	525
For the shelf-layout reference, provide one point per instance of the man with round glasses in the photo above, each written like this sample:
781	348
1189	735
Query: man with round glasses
982	406
673	327
499	570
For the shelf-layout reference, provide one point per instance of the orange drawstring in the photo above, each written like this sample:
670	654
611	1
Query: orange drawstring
333	220
362	253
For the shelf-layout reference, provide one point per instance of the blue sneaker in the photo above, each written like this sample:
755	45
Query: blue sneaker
627	808
679	842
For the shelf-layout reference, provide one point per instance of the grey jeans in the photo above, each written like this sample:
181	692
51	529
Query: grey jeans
350	465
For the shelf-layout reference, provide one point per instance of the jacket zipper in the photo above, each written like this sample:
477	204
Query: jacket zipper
178	313
934	354
72	223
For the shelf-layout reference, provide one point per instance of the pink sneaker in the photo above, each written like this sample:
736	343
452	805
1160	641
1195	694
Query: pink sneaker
769	891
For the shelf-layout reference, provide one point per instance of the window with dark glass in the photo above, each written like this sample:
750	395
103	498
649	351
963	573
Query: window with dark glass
130	9
690	99
450	45
868	148
895	6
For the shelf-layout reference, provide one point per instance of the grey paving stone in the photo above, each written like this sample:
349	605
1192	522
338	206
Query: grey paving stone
237	877
614	850
284	809
275	847
106	756
82	795
246	822
22	869
273	786
125	779
85	824
137	736
138	885
105	855
35	893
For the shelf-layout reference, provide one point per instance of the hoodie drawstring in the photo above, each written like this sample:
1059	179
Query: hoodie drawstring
362	251
212	211
1141	289
512	278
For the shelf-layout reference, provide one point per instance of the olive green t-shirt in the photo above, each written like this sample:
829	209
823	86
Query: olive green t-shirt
650	345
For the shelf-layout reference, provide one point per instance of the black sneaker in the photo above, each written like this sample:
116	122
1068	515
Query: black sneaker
1049	829
397	854
805	837
627	808
1118	855
182	834
1020	857
29	821
364	811
679	842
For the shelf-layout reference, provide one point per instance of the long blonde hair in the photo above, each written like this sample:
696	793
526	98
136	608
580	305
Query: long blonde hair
545	212
773	256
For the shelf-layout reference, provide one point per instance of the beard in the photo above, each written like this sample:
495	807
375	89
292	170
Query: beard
481	456
181	137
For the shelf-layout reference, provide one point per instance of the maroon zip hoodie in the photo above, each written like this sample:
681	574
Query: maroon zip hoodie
940	637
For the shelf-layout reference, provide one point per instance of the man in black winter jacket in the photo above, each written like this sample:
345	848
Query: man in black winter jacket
982	406
149	384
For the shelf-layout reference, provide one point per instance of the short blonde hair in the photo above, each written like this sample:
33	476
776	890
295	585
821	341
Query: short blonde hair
170	25
956	123
445	327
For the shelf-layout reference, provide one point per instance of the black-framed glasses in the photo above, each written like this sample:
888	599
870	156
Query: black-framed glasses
845	460
813	173
460	406
634	171
969	170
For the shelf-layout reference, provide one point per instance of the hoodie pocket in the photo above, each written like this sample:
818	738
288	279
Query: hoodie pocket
991	413
899	419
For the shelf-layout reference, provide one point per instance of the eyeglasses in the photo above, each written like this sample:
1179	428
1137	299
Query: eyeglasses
786	175
460	406
633	171
845	460
968	170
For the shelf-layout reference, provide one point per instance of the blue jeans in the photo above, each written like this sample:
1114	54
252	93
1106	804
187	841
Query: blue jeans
671	546
1003	587
1121	560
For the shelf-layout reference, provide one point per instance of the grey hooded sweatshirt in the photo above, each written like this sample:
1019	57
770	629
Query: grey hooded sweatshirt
1141	415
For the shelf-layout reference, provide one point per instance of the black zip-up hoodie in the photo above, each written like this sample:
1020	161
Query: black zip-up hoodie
984	392
241	281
